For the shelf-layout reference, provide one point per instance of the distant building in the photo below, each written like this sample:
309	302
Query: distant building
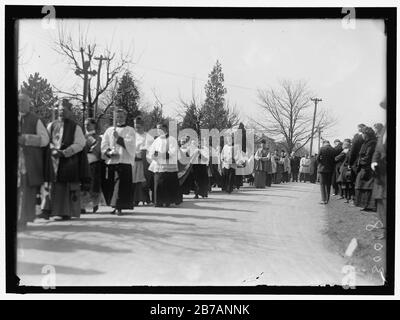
271	144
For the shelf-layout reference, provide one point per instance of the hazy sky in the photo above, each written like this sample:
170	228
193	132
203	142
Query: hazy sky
344	67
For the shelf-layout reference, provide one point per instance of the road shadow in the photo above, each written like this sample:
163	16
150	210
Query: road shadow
130	234
31	268
131	217
210	199
196	206
281	196
293	189
44	243
179	216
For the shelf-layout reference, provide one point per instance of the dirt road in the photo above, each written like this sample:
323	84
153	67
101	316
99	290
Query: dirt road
267	236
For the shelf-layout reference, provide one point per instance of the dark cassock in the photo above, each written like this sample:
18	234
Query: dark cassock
365	178
70	164
118	147
164	165
140	170
185	168
91	197
200	171
215	167
229	158
33	137
260	168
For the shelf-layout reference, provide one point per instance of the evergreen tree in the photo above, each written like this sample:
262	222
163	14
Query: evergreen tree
127	97
41	94
193	116
215	113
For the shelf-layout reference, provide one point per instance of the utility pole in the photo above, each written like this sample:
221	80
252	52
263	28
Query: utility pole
319	138
100	59
85	71
316	100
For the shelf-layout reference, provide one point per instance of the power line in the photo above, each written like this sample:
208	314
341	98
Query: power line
228	84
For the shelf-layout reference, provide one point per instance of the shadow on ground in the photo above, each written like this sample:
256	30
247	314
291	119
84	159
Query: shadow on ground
30	268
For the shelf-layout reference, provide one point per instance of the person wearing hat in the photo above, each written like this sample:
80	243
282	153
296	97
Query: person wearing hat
326	163
67	142
341	171
378	129
32	138
118	148
338	147
365	179
379	167
356	144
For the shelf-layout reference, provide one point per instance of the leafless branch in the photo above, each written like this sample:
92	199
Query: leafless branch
287	113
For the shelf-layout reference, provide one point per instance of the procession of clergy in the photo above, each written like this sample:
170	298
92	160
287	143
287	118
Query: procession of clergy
67	170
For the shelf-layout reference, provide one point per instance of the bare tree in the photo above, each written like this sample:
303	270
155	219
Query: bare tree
287	114
108	100
232	115
157	103
82	56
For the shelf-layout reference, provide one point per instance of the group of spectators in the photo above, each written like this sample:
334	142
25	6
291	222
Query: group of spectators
356	170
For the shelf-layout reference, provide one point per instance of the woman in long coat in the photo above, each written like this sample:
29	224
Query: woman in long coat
304	168
365	179
346	177
339	160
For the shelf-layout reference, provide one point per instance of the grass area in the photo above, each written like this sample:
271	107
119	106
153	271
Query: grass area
345	222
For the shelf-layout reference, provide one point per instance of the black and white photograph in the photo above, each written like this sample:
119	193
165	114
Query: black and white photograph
201	148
